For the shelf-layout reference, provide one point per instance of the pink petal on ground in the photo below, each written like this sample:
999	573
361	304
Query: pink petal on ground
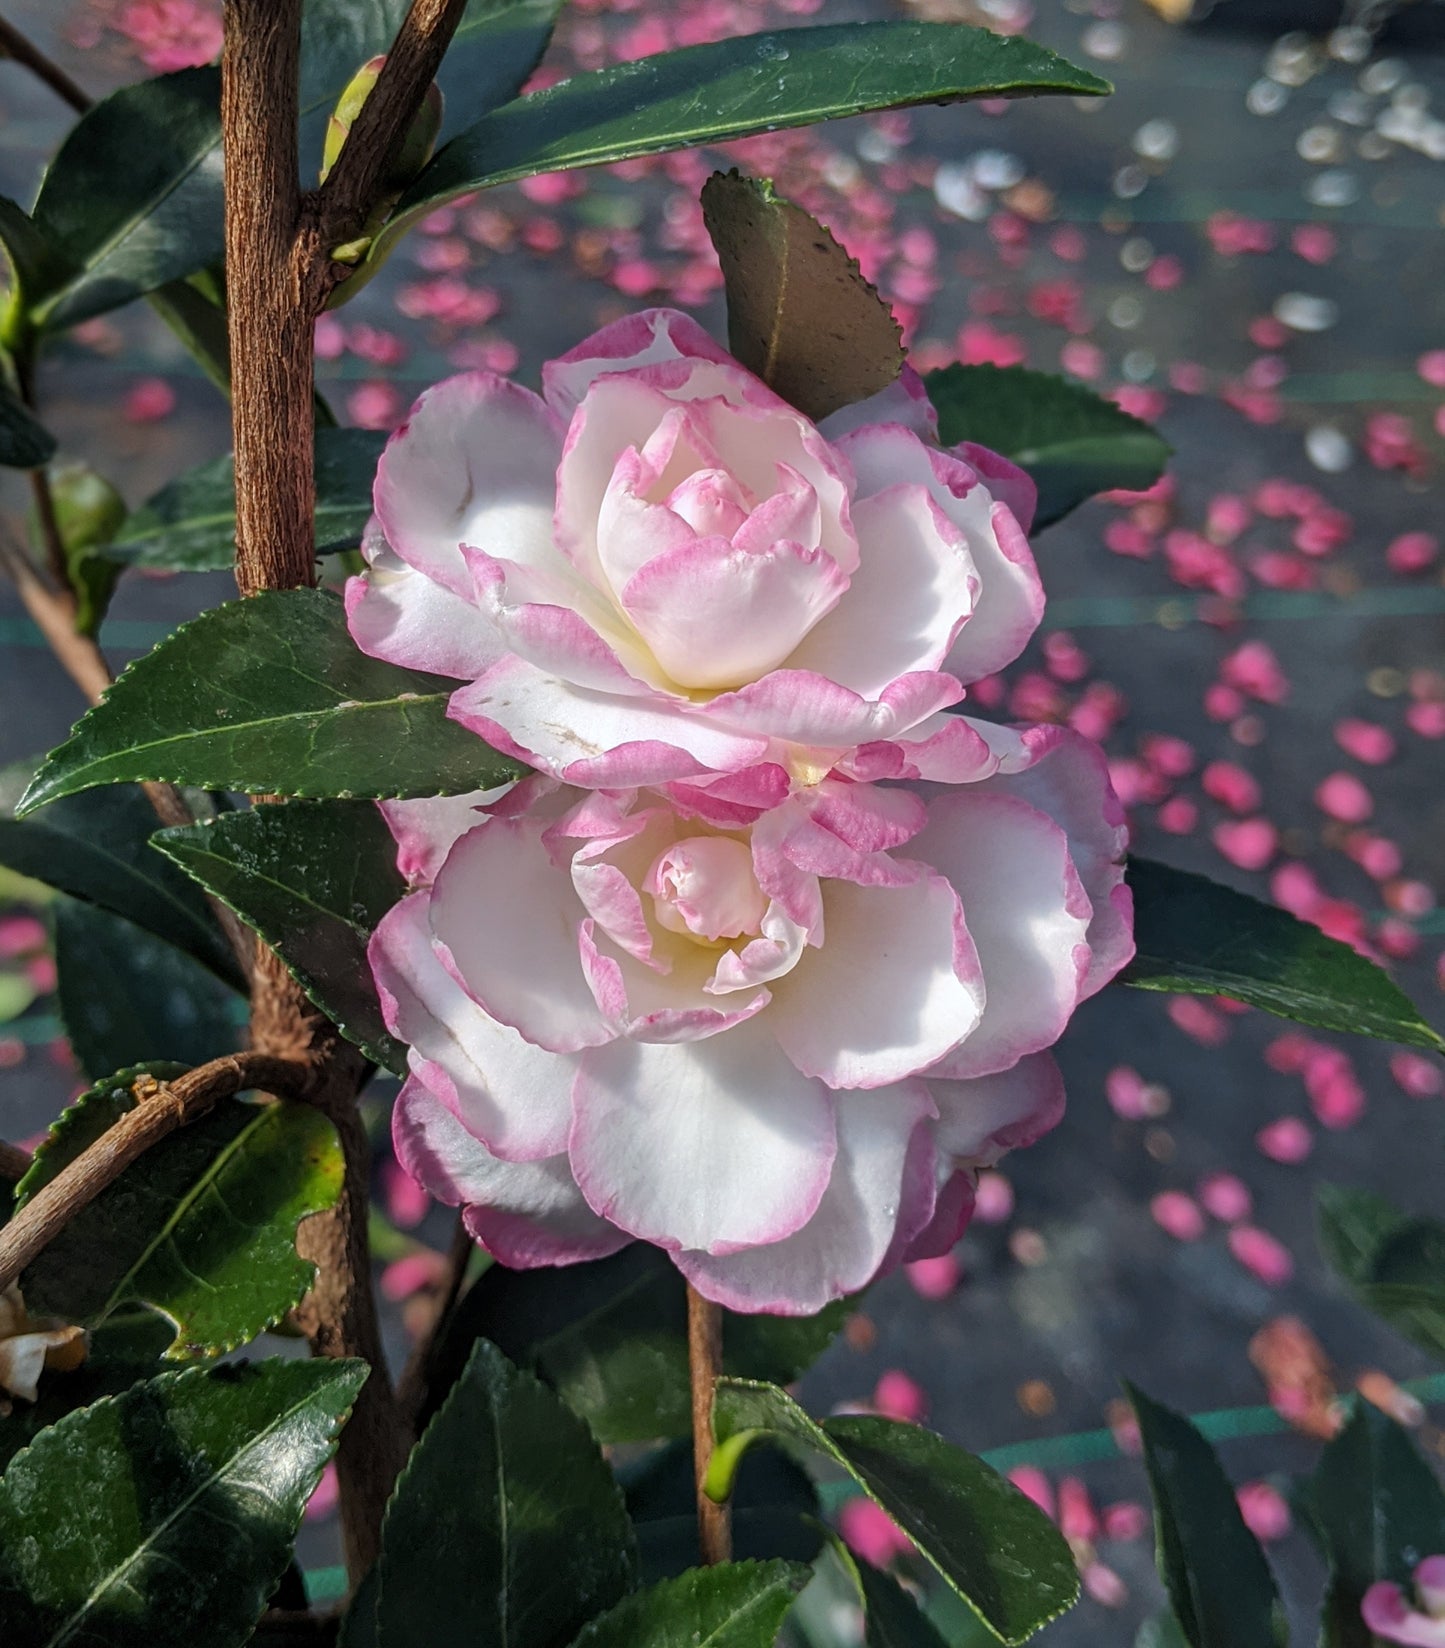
1365	740
1178	1215
1261	1254
1287	1140
1248	843
1343	796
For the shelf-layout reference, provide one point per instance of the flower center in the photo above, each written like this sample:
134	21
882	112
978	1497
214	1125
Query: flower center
704	887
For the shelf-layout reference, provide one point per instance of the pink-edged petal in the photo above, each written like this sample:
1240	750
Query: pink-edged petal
511	1095
912	593
526	1213
905	401
952	1210
598	739
646	1005
806	708
400	615
867	817
644	339
714	1145
1067	776
1027	913
1006	482
893	988
717	616
475	463
870	1195
507	924
942	749
426	830
981	1120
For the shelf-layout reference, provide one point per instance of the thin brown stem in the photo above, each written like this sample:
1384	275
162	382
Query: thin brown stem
411	1388
14	1162
51	536
15	45
351	188
704	1361
53	614
161	1108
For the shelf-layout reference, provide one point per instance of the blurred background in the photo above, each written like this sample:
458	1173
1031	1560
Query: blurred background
1244	246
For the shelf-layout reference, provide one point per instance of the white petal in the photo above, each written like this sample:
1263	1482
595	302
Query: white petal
400	615
427	829
981	1120
716	1144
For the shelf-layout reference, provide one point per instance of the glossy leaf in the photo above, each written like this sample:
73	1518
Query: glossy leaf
734	1605
125	997
190	524
164	1517
892	1619
731	88
997	1550
1160	1632
271	695
774	1510
508	1497
1223	1593
29	255
313	879
1377	1509
133	198
1073	442
800	314
202	1229
1196	937
96	847
1394	1263
25	443
610	1337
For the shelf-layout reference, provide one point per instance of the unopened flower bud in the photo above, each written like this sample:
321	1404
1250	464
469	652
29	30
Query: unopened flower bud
88	514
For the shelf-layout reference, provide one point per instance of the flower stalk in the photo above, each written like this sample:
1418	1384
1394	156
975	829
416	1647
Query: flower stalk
704	1360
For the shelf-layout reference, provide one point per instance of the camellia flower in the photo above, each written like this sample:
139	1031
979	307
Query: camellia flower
28	1345
777	1042
1389	1615
660	571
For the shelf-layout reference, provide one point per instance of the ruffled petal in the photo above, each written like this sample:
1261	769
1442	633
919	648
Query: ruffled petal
894	987
1027	913
426	830
714	1145
871	1195
981	1120
512	1096
905	401
400	615
475	463
647	338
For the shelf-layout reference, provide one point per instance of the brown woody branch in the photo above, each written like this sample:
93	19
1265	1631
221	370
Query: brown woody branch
161	1108
704	1361
14	45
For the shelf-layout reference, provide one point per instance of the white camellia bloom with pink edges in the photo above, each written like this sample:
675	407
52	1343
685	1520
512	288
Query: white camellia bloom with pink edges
659	571
777	1042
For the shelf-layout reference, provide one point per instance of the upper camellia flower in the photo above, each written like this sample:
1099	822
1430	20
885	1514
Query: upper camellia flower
660	571
778	1044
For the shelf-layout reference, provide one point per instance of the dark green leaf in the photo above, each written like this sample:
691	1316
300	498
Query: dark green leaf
313	878
774	1509
25	443
272	695
1393	1263
892	1618
96	847
1001	1554
508	1498
163	1517
610	1337
133	198
734	1605
1073	442
30	257
358	1626
711	93
1378	1510
1196	937
201	1229
800	314
1217	1578
1160	1632
126	997
190	525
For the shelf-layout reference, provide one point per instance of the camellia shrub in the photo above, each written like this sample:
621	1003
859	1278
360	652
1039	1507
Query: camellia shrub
630	807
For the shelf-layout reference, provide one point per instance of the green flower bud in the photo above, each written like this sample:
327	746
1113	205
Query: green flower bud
88	514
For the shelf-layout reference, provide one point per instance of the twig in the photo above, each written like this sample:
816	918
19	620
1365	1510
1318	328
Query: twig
14	1162
162	1107
704	1362
411	1388
80	656
14	45
343	201
49	524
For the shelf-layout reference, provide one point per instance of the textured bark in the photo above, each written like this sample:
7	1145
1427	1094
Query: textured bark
704	1360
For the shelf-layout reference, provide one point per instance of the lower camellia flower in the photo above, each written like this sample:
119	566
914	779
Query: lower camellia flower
777	1043
1389	1615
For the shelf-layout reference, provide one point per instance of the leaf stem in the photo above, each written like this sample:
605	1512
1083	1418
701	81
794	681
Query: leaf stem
16	46
704	1361
161	1108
